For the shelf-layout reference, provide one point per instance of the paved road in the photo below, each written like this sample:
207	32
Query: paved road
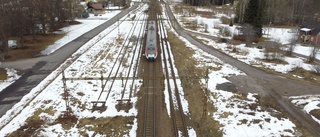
35	70
265	84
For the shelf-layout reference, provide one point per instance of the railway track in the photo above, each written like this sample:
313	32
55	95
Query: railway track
176	109
123	53
120	60
149	119
136	52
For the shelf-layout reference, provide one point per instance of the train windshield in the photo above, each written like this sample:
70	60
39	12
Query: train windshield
150	50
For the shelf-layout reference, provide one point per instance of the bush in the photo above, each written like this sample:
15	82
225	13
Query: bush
243	38
224	31
273	52
231	23
67	119
316	69
225	20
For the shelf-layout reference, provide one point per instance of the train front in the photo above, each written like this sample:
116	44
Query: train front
151	53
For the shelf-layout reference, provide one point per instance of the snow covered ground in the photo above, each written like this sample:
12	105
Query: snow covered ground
238	115
75	31
90	64
252	56
12	76
245	117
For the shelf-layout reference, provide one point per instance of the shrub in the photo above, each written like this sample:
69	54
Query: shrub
316	69
67	119
243	38
225	20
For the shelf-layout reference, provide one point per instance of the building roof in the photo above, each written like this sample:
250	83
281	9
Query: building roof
97	6
313	25
305	29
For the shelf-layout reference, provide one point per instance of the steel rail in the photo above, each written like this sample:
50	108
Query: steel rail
177	116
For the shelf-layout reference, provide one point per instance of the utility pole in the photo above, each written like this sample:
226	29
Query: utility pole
66	94
205	100
118	26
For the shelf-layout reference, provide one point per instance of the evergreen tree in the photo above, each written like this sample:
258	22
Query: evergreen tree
253	15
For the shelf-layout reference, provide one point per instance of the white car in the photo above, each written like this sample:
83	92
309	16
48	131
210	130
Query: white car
12	44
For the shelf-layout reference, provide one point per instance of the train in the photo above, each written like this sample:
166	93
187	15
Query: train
151	50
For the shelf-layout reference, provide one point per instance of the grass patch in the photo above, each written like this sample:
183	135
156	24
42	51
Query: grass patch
315	113
67	120
206	12
242	122
113	126
194	92
276	61
271	106
225	20
3	74
306	75
80	93
33	124
33	47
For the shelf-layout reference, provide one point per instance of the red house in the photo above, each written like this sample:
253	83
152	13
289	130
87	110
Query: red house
96	8
310	32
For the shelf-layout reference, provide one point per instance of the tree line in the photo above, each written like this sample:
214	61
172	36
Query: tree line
19	18
277	12
283	12
207	2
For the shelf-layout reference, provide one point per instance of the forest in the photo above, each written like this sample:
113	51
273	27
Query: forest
34	17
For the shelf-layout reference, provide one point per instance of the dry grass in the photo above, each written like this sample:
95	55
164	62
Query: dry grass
3	74
268	104
67	120
194	92
206	14
32	124
225	20
32	47
315	113
276	61
113	126
210	11
307	75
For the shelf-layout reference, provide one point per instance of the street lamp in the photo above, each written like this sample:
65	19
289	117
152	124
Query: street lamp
269	29
317	38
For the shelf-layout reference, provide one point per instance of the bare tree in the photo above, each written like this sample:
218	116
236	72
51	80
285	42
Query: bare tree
293	41
316	69
273	51
4	28
241	8
249	34
313	54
